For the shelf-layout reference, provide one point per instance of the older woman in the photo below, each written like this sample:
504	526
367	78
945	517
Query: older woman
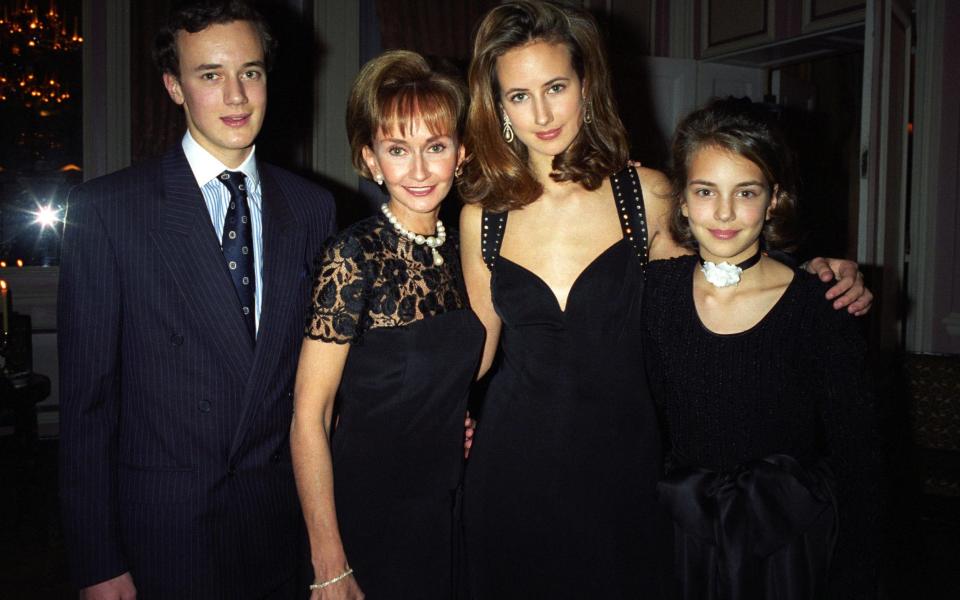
560	490
392	348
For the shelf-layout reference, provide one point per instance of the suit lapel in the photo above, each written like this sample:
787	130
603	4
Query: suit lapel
283	261
188	246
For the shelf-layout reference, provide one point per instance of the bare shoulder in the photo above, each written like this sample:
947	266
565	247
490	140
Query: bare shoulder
470	215
657	206
653	180
656	192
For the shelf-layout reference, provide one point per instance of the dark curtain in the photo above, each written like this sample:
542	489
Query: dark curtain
436	29
156	122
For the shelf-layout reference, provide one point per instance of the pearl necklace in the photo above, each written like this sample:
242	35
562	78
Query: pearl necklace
432	242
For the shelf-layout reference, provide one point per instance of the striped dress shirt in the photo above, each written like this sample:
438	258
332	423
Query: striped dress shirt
205	169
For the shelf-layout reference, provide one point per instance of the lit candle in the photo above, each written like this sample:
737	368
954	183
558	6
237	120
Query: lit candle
5	301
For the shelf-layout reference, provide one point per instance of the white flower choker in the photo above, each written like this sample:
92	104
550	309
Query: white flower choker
725	274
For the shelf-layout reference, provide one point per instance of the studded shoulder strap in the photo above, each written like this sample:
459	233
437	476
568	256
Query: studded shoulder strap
491	235
629	197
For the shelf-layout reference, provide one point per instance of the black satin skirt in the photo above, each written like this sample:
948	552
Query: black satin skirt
764	530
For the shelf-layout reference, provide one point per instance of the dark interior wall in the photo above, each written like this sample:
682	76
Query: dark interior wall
438	29
627	28
947	304
826	140
156	122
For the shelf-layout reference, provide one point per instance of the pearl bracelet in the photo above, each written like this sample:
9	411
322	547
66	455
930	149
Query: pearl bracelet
323	584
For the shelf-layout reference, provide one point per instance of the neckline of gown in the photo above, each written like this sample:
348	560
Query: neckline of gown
773	310
540	281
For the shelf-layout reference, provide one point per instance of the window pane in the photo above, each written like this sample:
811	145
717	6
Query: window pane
41	141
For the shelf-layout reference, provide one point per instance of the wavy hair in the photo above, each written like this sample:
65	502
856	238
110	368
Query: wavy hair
196	15
741	127
497	174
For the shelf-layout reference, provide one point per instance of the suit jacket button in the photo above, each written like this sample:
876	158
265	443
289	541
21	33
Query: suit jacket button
176	339
203	406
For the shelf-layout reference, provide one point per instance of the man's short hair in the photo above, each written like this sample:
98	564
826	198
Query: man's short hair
196	15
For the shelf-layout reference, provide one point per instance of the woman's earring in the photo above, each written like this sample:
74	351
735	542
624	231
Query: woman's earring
507	128
587	114
458	172
378	178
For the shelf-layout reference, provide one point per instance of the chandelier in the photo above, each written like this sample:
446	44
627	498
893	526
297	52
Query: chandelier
32	43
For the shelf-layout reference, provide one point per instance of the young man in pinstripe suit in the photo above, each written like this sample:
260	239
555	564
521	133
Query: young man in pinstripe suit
184	282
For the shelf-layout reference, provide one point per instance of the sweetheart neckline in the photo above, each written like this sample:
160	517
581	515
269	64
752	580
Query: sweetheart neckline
573	286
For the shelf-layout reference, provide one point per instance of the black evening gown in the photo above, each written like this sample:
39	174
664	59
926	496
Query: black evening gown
560	485
772	468
398	441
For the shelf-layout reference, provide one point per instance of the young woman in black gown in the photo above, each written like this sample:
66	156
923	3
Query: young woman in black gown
772	468
560	486
391	352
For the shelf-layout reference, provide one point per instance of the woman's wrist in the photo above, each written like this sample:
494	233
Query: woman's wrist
329	565
319	585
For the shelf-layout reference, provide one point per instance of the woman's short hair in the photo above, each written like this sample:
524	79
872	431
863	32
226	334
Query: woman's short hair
497	174
745	129
196	15
395	89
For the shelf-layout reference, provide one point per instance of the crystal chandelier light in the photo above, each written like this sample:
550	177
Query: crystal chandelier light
31	42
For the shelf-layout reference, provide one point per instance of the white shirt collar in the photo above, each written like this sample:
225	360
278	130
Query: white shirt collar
206	167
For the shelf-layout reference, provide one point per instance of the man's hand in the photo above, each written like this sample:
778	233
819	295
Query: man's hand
469	426
849	291
119	588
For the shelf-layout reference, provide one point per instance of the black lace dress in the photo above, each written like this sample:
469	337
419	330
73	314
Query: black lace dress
398	442
560	486
772	472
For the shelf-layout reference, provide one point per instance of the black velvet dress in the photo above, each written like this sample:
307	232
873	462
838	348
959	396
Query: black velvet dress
398	442
772	468
560	485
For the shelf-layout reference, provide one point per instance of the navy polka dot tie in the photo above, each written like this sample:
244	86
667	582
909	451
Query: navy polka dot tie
237	244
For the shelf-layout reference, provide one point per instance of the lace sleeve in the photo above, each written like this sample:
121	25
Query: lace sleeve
338	311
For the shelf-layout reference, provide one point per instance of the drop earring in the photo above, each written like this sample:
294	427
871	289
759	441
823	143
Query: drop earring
507	128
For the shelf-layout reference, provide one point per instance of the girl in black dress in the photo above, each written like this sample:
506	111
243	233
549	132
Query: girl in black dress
392	349
560	487
771	471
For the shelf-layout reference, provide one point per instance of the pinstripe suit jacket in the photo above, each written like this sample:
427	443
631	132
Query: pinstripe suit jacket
175	463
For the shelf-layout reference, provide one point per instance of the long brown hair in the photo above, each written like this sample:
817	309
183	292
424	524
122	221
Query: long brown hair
497	174
742	128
